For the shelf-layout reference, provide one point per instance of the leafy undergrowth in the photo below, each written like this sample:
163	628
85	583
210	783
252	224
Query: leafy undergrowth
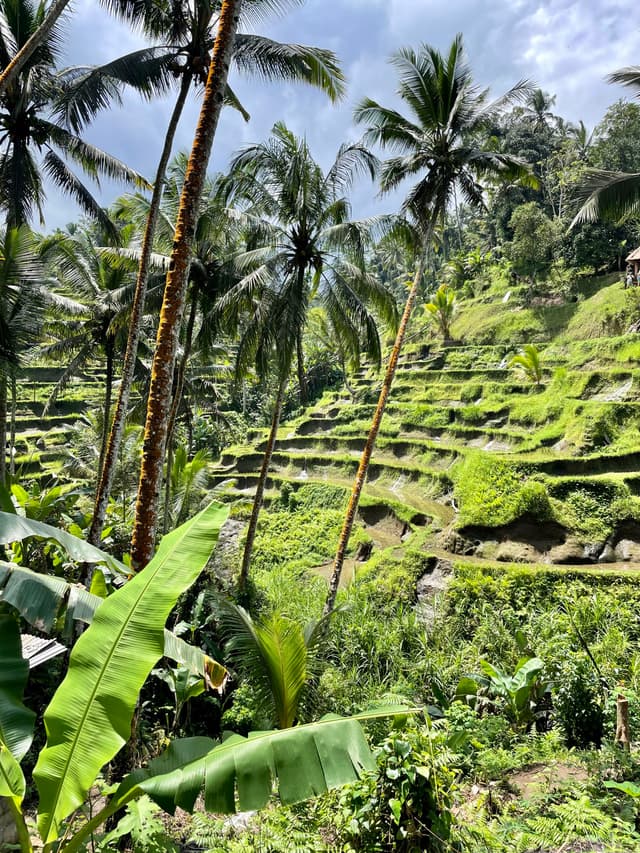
482	770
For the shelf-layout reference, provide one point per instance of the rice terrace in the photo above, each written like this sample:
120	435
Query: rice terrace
320	427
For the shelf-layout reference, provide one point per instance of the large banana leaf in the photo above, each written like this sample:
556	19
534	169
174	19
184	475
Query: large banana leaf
15	528
304	761
46	602
12	781
240	772
16	720
89	717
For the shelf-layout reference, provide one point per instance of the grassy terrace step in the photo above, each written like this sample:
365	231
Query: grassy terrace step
33	423
399	448
406	500
301	462
562	573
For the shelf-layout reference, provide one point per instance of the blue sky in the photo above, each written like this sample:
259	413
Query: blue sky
566	47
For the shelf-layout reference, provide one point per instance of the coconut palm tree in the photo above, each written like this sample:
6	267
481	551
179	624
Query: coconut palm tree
34	141
211	275
305	248
603	194
159	402
278	656
538	108
105	289
186	32
23	297
440	144
527	361
47	21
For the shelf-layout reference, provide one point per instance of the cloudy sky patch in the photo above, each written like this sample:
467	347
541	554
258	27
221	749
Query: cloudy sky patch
566	47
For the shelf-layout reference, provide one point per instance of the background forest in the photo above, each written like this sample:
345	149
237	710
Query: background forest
330	521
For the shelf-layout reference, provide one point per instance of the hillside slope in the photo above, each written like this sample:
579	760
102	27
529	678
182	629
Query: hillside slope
474	458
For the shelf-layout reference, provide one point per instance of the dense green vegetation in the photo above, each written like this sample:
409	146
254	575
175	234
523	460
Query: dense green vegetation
371	611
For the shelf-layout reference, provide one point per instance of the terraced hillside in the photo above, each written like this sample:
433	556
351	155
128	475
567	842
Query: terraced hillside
475	459
42	435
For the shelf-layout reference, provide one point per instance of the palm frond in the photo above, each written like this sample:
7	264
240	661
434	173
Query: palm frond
272	60
606	195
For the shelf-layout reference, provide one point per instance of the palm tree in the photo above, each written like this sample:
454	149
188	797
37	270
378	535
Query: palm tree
23	297
46	23
188	481
528	361
185	30
439	143
304	248
34	140
537	108
159	402
105	289
443	308
210	274
603	194
277	655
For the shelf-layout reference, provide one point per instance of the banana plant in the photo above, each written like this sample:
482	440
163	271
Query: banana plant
517	695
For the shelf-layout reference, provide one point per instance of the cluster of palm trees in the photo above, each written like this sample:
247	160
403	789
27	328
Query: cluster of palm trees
243	258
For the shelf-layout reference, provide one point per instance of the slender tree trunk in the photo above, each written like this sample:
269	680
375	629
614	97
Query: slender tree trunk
177	399
108	470
182	366
166	516
262	480
37	39
159	402
12	431
302	376
108	393
363	468
3	429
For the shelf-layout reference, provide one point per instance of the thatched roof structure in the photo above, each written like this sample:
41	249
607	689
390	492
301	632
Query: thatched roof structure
635	255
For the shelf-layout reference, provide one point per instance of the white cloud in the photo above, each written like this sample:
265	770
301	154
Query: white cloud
566	46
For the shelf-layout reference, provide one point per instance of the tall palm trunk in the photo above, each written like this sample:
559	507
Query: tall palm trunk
36	39
365	459
159	402
262	480
302	376
177	397
3	429
108	394
12	427
110	461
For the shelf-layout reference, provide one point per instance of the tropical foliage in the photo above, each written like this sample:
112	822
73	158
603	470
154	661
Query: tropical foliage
452	638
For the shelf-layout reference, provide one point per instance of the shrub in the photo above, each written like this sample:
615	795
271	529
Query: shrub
579	701
406	806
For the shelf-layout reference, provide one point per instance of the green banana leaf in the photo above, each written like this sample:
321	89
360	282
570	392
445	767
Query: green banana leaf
15	528
239	773
16	720
304	761
89	718
45	602
12	781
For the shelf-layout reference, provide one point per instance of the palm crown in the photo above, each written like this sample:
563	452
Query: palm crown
441	140
305	248
184	34
34	137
